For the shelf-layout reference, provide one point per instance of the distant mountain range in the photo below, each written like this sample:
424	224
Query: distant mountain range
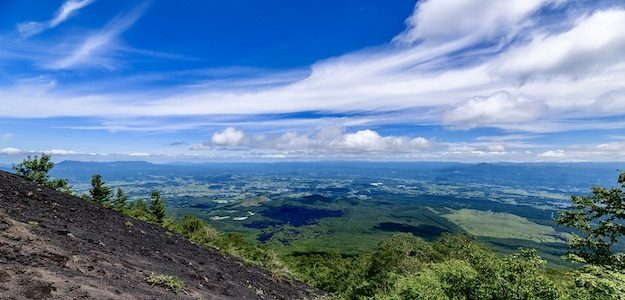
511	174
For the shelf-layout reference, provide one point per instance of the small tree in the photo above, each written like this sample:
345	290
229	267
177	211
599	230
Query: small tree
139	209
120	199
99	192
157	207
601	220
36	170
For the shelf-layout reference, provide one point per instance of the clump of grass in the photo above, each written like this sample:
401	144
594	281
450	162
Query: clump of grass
33	223
169	282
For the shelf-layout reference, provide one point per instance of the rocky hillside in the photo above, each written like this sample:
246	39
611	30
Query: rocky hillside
57	246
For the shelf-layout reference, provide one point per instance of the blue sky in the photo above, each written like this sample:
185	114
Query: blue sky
441	80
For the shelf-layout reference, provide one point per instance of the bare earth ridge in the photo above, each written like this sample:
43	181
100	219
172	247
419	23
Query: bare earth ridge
61	247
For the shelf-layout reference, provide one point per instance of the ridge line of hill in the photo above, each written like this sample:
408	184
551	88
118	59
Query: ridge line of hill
57	246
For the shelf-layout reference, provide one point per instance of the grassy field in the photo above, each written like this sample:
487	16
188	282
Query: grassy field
502	225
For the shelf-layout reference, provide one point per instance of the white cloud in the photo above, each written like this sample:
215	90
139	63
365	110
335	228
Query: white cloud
420	142
552	154
416	78
608	152
68	8
8	135
60	152
459	19
363	139
455	151
595	42
371	141
92	52
229	137
326	141
10	151
139	154
293	140
611	101
496	109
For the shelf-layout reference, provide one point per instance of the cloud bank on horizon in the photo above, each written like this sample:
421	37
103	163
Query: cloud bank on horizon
471	80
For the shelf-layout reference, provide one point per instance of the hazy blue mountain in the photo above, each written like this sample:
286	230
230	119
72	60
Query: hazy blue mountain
557	175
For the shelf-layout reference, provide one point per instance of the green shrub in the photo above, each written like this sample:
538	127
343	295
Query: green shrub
138	209
424	285
597	282
169	282
196	230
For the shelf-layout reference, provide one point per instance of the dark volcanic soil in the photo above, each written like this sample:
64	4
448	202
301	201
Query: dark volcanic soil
61	247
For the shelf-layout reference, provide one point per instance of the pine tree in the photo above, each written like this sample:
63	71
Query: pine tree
36	169
120	199
157	207
99	192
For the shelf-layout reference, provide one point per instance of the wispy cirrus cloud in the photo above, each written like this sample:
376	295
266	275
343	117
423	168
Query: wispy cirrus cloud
70	7
96	49
424	77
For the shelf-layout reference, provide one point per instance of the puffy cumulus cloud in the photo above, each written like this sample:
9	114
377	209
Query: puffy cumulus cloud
364	139
10	151
593	43
369	140
458	19
494	110
327	141
229	137
334	140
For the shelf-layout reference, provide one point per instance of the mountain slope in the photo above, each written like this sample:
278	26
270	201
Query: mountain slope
57	246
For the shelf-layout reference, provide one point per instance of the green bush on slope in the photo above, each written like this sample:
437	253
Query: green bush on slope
36	170
455	267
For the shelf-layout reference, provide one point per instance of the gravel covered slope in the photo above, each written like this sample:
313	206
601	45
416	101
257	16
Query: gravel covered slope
61	247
